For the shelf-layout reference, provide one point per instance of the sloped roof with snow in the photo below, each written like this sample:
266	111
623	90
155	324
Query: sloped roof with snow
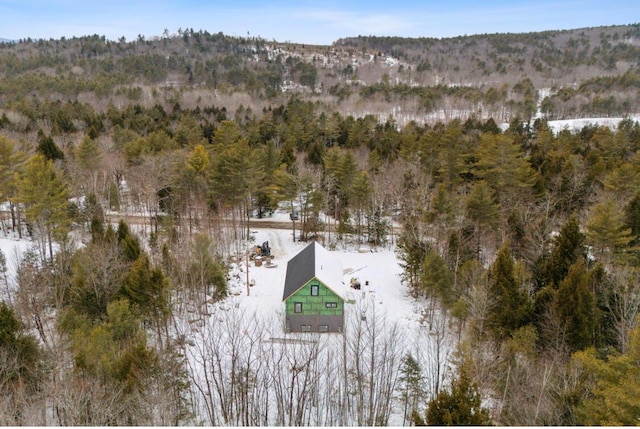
313	261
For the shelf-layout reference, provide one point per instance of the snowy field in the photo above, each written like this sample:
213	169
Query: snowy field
577	124
377	270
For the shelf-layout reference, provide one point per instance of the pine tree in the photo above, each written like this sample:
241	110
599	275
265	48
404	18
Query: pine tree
632	218
437	279
114	353
205	274
227	133
482	209
412	250
606	231
235	177
569	247
48	148
45	196
461	406
6	167
10	163
575	307
341	169
19	356
612	386
501	163
442	210
87	154
512	308
198	161
129	244
412	391
359	197
146	287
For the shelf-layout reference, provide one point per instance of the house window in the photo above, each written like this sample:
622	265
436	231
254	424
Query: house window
297	307
331	305
323	328
314	290
305	328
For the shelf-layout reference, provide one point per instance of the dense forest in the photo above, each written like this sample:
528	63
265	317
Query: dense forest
135	168
588	72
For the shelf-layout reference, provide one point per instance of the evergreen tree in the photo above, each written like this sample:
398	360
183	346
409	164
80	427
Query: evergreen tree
87	154
512	308
412	391
20	365
612	386
6	170
269	161
198	161
205	274
96	275
114	353
153	143
575	308
501	163
606	231
437	279
48	148
146	288
632	218
441	211
95	217
235	177
10	162
311	201
624	179
459	406
359	198
3	273
45	196
129	244
482	209
569	247
412	250
227	133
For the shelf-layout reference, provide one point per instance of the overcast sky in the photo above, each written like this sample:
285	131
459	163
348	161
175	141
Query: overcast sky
305	21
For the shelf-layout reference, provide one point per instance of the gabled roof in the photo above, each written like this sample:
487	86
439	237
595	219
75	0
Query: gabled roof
313	261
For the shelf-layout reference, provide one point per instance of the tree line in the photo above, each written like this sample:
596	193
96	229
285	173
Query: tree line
589	72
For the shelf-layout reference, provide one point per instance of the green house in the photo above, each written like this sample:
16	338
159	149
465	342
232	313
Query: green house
313	296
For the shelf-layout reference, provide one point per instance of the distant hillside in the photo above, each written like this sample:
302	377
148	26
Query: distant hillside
549	59
555	74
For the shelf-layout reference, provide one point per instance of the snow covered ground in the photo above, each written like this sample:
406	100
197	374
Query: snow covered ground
13	250
578	124
574	125
377	270
254	318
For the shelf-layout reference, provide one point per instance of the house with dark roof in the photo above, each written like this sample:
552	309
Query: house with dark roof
313	292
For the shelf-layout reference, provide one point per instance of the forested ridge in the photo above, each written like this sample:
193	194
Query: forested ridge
519	243
587	72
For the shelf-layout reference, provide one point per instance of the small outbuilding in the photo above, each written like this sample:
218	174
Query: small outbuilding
312	292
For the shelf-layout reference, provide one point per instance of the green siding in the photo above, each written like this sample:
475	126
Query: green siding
315	305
